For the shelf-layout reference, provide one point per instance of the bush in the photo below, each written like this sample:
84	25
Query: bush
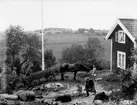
49	58
83	75
103	64
73	54
90	54
128	84
111	78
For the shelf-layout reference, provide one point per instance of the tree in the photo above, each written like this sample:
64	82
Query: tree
73	54
49	58
91	30
81	30
89	54
22	49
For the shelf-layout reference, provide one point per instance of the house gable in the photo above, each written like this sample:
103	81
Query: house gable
118	22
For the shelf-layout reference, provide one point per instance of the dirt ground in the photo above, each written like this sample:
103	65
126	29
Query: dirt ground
70	87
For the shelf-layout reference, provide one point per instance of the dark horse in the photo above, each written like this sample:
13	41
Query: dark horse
66	67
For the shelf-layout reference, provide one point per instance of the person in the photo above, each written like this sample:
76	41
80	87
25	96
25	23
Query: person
89	86
94	70
79	89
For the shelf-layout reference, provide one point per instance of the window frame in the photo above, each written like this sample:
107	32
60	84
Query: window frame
116	36
120	63
120	36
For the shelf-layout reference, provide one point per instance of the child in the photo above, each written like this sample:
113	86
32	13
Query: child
94	70
79	90
89	86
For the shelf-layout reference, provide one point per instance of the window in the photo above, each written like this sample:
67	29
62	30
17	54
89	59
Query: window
121	59
120	36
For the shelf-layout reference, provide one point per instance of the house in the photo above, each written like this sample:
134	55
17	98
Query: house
123	36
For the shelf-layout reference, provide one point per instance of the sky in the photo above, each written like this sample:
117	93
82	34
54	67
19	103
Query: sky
74	14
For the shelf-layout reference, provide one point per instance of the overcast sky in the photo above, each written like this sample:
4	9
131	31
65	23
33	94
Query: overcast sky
97	14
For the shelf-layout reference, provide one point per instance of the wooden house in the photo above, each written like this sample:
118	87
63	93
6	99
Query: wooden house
123	36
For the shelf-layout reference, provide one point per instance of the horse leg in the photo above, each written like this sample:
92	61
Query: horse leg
62	76
75	73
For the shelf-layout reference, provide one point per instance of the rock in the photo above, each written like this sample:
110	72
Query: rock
98	102
16	103
64	98
10	97
25	95
97	79
108	93
39	96
55	103
48	102
101	96
127	102
7	102
50	85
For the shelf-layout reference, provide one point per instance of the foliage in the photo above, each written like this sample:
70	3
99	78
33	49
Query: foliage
83	75
22	49
88	54
134	55
81	30
111	78
128	84
92	31
49	58
73	54
103	64
23	52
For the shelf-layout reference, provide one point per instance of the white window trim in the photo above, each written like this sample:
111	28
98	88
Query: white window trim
122	53
120	36
116	36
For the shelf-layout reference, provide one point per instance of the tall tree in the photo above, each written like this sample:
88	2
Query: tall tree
22	49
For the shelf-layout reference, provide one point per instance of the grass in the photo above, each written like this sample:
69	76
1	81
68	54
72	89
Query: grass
58	42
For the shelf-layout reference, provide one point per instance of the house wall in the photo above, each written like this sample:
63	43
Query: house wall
121	47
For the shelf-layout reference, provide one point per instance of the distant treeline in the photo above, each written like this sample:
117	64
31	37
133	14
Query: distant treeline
85	31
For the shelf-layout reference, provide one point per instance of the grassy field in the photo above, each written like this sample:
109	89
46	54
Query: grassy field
58	42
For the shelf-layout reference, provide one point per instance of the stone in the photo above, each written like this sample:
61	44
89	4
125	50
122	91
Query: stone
63	98
25	95
108	93
98	79
98	102
127	102
101	96
9	96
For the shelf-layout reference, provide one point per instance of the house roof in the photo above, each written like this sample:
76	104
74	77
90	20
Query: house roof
131	25
128	25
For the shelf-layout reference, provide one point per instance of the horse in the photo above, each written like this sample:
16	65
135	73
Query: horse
66	67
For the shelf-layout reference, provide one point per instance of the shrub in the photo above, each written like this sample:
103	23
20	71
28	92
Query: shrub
128	84
83	75
49	58
111	78
91	53
103	64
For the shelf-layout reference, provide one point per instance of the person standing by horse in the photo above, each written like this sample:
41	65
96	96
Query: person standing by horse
94	70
